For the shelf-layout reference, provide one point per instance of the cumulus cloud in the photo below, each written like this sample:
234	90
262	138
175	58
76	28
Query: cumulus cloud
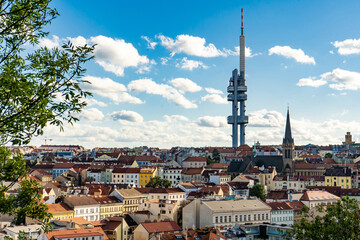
337	79
191	45
214	98
150	44
164	60
172	118
213	91
185	85
188	64
108	88
296	54
348	46
92	101
236	52
90	114
212	121
265	126
265	118
311	82
50	43
114	55
164	90
128	116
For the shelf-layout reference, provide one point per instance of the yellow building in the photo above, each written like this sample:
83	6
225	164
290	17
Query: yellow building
338	177
109	206
60	211
145	175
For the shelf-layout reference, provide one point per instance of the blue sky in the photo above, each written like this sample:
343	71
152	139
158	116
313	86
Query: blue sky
303	53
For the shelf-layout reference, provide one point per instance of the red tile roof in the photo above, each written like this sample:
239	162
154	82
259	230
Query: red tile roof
157	227
195	159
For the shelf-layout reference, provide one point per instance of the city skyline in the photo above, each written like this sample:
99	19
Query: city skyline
160	72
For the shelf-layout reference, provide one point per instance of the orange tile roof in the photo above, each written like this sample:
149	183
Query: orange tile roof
156	227
72	233
58	208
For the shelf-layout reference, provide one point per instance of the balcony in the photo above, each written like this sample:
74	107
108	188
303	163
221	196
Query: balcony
230	89
242	88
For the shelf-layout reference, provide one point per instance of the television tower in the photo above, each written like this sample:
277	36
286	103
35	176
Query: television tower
237	94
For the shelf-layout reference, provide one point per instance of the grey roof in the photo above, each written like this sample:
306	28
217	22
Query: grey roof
236	205
288	136
239	166
269	161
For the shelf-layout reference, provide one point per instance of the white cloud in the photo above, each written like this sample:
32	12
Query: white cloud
175	118
128	116
114	55
212	121
342	80
108	88
185	85
92	101
188	64
213	91
150	44
90	114
166	91
50	43
265	126
191	45
164	60
236	52
311	82
265	118
78	41
214	98
348	46
289	52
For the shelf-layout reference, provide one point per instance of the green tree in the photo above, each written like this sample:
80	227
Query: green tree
339	221
216	155
37	88
258	190
157	182
328	155
209	160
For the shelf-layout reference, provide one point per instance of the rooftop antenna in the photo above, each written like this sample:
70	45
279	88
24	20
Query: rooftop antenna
242	21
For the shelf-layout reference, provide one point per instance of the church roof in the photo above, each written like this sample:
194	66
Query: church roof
269	161
288	136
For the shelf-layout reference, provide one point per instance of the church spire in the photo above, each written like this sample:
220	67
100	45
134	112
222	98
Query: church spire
288	136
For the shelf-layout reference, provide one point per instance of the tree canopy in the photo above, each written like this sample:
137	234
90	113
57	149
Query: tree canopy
258	190
38	87
158	182
335	222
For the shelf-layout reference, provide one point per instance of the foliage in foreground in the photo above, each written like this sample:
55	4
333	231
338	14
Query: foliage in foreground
339	221
38	87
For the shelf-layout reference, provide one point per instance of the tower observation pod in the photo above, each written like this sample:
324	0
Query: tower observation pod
237	95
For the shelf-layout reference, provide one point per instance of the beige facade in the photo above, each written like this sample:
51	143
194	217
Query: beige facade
225	213
131	199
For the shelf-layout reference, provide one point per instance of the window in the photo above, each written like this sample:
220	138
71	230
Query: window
229	218
240	218
221	219
244	218
216	219
236	218
254	217
262	216
225	218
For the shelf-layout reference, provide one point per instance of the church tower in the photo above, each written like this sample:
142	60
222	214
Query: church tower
288	147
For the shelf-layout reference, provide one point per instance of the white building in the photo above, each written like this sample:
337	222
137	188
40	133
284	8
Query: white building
93	175
84	206
225	213
173	175
281	213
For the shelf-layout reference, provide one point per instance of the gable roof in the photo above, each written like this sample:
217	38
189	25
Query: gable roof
157	227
